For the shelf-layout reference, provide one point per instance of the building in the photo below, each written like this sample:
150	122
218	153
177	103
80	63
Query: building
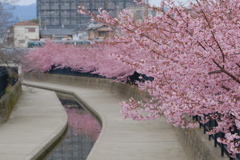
57	34
20	33
63	13
98	31
80	34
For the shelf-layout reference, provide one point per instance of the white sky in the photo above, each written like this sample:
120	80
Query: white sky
27	2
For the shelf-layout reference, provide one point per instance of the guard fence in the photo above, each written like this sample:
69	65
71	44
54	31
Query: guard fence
209	126
6	79
71	72
3	80
133	79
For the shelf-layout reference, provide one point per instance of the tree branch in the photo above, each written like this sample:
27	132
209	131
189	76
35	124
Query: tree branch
215	72
238	65
226	72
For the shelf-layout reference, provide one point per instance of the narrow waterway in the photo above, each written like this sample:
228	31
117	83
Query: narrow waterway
83	130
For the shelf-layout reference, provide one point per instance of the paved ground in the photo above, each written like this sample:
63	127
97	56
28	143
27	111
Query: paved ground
119	139
37	119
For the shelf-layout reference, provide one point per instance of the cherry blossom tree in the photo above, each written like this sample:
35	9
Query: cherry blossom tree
80	58
191	52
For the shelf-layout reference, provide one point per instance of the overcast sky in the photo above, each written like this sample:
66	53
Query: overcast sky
27	2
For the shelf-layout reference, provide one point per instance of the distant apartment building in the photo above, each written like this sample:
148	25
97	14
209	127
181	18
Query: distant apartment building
64	14
20	33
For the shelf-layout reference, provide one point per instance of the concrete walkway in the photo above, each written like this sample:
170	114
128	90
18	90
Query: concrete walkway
37	120
119	139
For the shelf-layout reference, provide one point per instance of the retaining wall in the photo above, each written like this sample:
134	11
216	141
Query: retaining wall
194	142
8	101
125	90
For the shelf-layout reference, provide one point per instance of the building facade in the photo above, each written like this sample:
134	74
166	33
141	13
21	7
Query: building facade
21	33
64	14
98	31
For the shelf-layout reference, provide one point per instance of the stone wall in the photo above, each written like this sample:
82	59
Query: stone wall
197	146
8	101
194	142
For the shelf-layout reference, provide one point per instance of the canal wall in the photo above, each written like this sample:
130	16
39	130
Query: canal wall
125	90
195	143
8	101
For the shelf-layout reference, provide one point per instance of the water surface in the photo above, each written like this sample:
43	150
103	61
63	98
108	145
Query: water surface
83	130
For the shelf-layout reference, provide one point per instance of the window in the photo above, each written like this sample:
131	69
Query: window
65	3
45	19
101	33
31	29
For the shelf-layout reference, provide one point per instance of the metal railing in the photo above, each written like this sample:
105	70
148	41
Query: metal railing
208	127
135	77
3	80
6	79
69	71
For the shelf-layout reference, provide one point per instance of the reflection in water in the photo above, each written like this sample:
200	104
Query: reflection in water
81	135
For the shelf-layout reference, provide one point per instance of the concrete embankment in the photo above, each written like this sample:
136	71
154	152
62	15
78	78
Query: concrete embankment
195	143
8	101
37	121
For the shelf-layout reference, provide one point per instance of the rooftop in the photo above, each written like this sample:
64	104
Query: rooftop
26	23
63	31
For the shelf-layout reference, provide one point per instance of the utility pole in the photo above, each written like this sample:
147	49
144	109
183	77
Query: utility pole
39	14
40	22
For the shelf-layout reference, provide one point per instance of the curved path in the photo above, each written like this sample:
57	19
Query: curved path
38	120
122	139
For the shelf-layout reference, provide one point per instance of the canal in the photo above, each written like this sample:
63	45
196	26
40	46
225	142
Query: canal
83	130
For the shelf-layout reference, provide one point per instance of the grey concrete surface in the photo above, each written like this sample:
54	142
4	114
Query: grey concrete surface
124	139
37	120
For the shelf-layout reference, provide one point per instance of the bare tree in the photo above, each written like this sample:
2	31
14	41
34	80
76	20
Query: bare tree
9	56
5	15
